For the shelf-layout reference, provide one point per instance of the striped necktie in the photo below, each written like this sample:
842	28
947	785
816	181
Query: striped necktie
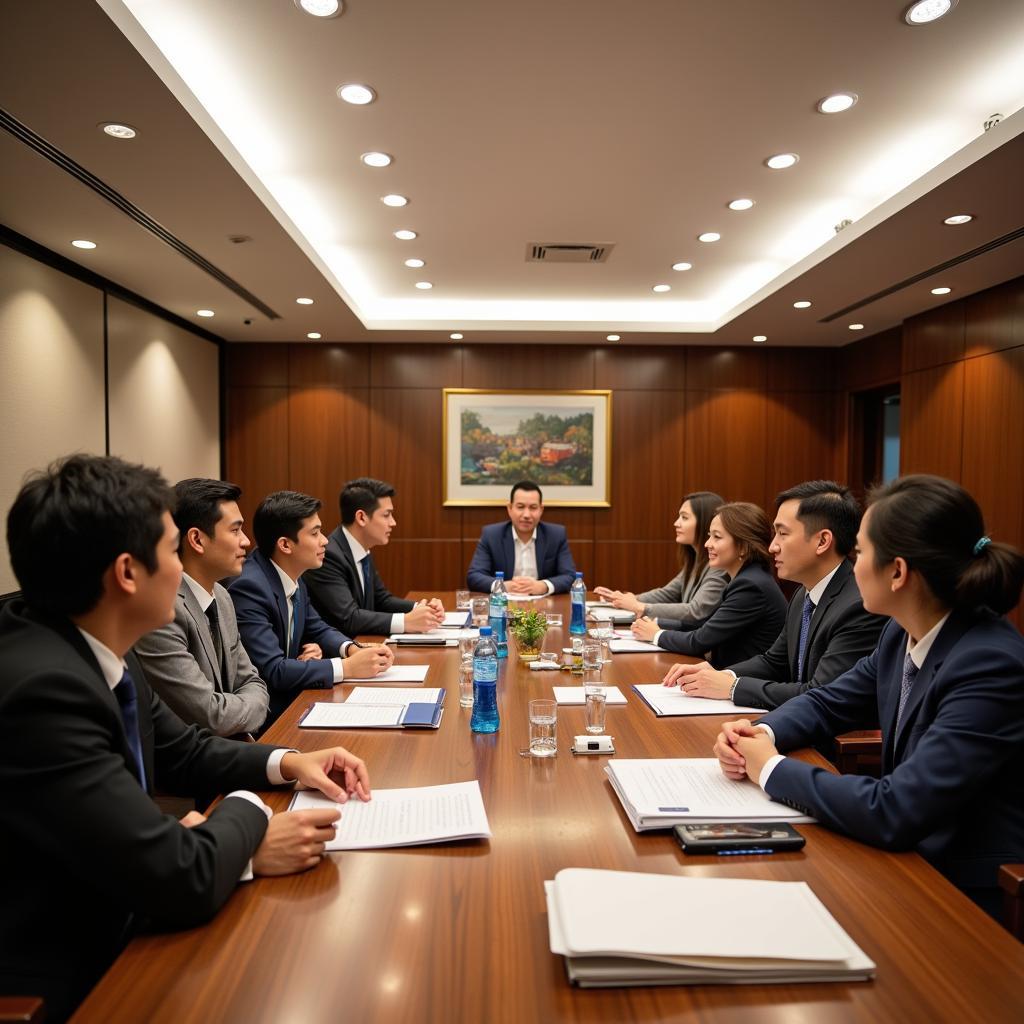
129	704
805	628
906	685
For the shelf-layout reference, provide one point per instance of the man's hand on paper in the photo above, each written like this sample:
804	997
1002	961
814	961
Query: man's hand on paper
294	841
680	671
367	662
423	618
702	681
644	628
336	772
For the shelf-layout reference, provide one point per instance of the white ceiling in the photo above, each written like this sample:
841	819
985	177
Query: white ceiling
632	124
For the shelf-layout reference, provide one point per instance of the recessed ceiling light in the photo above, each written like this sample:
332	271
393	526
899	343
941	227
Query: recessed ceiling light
204	312
320	8
424	285
314	335
959	218
741	204
455	337
925	11
614	337
781	161
393	200
356	94
415	264
801	304
405	235
304	302
760	339
83	243
662	288
837	103
375	159
856	327
682	266
118	131
709	236
941	291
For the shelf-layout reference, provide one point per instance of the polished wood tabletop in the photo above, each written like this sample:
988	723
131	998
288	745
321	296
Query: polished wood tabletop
458	931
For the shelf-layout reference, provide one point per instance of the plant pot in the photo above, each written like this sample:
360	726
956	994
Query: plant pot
527	653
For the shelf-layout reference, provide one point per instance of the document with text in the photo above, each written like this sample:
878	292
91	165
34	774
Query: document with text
326	715
395	695
405	817
671	700
395	674
455	620
622	645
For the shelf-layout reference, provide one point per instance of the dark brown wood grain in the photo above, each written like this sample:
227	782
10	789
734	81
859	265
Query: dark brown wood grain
931	420
458	932
257	443
933	338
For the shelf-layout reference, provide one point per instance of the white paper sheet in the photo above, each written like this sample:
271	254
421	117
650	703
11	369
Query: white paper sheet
577	695
526	597
671	700
406	817
394	695
455	620
620	645
611	615
325	715
440	637
395	674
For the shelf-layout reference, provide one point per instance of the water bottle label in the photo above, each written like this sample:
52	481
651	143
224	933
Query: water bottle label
485	670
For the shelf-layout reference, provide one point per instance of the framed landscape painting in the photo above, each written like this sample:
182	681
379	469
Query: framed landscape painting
560	439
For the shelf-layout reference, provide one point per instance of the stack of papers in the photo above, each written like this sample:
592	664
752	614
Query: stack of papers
395	674
609	614
578	695
671	700
456	620
663	792
435	638
526	597
622	645
366	708
405	817
627	928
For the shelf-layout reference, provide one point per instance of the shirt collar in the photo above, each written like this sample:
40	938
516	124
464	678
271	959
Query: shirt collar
199	592
919	651
818	590
357	549
290	586
525	544
112	667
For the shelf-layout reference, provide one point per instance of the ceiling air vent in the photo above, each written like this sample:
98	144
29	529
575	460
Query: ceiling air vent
567	252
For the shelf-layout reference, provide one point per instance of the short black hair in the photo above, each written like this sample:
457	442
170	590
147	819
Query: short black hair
362	495
826	505
526	485
70	522
199	504
281	514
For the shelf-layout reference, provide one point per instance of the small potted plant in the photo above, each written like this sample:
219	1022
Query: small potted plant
528	626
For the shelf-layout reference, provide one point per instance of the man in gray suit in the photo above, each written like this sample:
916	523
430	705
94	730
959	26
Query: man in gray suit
827	630
197	663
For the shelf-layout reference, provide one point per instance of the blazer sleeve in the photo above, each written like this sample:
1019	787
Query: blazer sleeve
565	567
480	575
316	631
978	728
331	592
385	601
754	676
255	615
742	605
702	603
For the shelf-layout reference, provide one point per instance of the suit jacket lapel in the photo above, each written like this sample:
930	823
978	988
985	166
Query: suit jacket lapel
267	567
508	549
832	591
539	549
202	624
793	617
355	572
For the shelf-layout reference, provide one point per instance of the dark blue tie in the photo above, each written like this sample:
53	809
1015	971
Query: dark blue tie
906	685
293	633
366	580
128	700
805	628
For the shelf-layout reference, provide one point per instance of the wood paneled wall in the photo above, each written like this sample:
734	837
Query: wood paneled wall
743	422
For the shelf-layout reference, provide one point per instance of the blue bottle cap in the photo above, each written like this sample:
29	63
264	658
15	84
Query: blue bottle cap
485	630
579	575
500	574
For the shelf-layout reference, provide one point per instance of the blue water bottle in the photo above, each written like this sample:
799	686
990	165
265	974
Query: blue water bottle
485	684
578	603
497	614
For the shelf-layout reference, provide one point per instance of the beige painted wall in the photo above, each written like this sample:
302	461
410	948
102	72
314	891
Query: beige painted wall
51	374
164	394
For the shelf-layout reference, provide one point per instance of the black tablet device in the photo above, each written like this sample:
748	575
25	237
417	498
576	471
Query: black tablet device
736	837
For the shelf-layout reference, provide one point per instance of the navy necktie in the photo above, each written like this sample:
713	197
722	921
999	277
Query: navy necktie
293	639
366	580
906	685
128	701
805	628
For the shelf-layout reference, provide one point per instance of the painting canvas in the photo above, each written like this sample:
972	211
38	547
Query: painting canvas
560	439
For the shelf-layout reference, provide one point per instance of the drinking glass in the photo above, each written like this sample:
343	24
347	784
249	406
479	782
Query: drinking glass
603	634
543	728
594	710
462	598
467	644
592	655
480	607
466	682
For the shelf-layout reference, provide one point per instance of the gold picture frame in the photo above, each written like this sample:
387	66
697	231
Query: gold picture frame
560	439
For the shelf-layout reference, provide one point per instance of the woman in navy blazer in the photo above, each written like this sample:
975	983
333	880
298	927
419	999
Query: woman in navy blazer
752	610
946	682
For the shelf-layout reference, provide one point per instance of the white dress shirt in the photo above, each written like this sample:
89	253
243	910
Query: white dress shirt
290	589
199	592
526	559
358	554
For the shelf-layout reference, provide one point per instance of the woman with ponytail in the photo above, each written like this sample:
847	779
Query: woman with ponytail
946	685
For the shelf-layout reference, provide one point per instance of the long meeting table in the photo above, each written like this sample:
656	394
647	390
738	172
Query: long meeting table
458	932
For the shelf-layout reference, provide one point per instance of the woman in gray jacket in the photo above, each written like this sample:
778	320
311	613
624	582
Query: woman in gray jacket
697	589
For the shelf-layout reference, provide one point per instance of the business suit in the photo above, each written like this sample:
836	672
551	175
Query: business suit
182	665
688	602
86	854
496	552
952	781
336	590
747	621
262	612
840	634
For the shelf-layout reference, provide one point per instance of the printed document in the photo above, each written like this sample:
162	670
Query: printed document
395	674
671	700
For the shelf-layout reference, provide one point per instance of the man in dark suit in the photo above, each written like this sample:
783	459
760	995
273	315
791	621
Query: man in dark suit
827	629
291	646
197	662
534	556
347	589
86	856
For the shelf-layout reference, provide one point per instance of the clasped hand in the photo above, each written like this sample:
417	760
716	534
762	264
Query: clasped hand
743	750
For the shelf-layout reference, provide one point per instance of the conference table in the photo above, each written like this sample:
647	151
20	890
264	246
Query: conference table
458	931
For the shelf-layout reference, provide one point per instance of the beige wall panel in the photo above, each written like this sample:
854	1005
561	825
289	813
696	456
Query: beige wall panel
164	394
51	374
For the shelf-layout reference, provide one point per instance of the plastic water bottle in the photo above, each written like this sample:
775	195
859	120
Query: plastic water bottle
497	614
578	603
485	684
